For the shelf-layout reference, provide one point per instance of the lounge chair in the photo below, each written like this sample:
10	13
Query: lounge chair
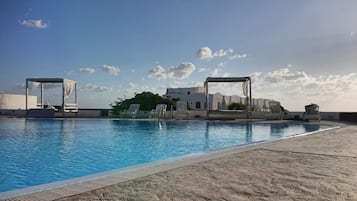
277	112
159	112
311	113
132	110
181	109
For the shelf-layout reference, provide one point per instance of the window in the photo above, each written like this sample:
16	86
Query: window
198	105
188	92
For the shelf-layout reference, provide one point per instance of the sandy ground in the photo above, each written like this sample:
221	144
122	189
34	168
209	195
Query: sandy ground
316	167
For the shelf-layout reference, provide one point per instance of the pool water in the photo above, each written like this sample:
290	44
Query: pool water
39	151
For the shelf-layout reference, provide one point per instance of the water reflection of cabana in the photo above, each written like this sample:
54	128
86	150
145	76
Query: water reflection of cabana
68	87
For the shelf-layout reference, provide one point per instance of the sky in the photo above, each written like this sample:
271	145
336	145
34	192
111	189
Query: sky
297	52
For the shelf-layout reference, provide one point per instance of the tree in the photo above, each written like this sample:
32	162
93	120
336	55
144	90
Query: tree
237	106
147	101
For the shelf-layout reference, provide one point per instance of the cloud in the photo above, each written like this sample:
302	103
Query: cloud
204	53
87	70
222	53
221	64
237	56
157	73
96	88
298	88
112	70
352	33
39	24
201	70
176	72
68	72
214	73
182	71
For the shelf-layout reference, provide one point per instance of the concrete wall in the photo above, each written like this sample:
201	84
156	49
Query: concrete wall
16	102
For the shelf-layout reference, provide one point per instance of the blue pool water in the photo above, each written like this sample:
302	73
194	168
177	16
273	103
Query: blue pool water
38	151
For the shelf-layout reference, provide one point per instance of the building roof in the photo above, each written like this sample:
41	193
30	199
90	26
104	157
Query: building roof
48	80
227	79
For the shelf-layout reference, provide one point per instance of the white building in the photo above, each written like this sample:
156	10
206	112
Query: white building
194	96
196	99
16	102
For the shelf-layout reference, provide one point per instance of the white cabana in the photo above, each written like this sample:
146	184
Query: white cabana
247	90
68	87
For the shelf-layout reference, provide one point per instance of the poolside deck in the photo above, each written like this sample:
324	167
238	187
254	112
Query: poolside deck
321	166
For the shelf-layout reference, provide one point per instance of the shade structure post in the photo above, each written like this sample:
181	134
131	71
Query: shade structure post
42	96
75	94
63	103
250	98
232	79
27	93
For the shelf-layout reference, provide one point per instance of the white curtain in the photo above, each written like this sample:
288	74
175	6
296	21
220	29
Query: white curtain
245	88
68	87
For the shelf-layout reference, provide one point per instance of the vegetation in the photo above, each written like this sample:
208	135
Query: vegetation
147	101
237	106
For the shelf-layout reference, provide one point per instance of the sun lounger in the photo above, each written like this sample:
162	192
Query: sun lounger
277	112
132	110
159	112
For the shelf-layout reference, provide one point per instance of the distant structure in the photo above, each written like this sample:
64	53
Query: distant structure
68	87
196	99
16	102
194	96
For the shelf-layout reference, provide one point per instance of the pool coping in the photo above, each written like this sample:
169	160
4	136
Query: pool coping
69	187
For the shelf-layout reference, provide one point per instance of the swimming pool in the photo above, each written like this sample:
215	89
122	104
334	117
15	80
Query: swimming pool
38	151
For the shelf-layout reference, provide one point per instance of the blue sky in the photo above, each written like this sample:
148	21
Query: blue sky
297	52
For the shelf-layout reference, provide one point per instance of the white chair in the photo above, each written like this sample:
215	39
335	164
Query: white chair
132	110
159	112
276	111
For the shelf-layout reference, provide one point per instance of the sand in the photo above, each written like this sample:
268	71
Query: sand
321	166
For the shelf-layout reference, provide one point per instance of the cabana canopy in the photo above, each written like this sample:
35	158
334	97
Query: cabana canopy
68	87
245	80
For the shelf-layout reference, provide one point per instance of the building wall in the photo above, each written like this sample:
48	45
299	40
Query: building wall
216	101
194	96
16	102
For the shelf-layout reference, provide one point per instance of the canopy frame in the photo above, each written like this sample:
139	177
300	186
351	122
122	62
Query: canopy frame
66	107
230	79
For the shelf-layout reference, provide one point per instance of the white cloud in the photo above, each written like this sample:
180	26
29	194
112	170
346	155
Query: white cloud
182	71
352	33
68	72
221	64
130	89
176	72
96	88
112	70
297	88
39	24
201	70
20	86
237	56
222	53
157	73
214	73
87	70
204	53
